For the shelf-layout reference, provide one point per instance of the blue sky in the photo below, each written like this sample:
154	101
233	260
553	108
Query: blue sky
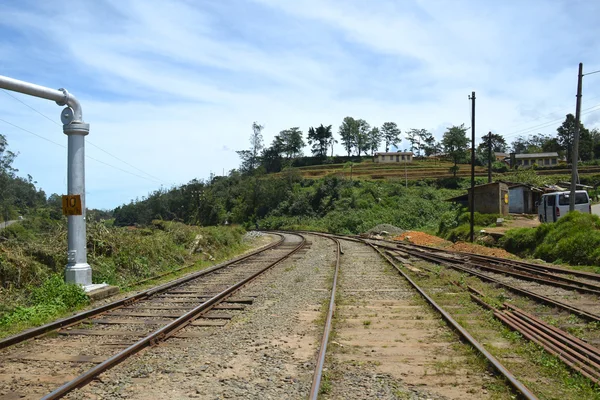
172	87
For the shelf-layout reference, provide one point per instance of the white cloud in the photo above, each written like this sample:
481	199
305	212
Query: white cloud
173	87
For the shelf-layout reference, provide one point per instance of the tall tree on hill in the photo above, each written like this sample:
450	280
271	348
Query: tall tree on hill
418	139
271	157
498	146
431	146
333	141
566	133
456	143
292	142
251	157
374	139
320	139
362	137
348	132
390	135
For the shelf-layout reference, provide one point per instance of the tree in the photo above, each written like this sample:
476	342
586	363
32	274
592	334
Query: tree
332	142
432	146
292	142
566	133
390	135
362	137
418	139
374	139
456	143
498	146
7	178
251	158
320	139
348	132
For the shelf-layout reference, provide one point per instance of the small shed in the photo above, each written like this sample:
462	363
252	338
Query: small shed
522	198
491	198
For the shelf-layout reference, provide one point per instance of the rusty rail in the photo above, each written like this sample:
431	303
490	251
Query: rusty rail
162	333
74	319
515	383
577	354
316	383
523	292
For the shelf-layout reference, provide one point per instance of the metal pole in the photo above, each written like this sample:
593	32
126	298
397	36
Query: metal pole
490	157
77	271
472	199
575	155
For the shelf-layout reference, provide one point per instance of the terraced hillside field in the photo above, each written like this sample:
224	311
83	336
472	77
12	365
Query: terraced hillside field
414	171
375	171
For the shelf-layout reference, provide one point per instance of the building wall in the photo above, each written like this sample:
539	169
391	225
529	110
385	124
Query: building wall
490	199
399	158
541	162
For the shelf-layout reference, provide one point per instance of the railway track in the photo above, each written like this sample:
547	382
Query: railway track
519	387
577	354
73	351
517	273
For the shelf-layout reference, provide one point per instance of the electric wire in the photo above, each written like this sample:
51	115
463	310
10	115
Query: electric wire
549	123
88	141
86	156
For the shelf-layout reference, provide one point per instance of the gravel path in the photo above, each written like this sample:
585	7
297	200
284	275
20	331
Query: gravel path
266	352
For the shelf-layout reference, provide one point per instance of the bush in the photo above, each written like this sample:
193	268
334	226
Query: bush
46	301
574	239
479	219
499	166
519	241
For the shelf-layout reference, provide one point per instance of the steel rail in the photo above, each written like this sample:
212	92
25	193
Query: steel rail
537	267
516	384
61	323
316	383
162	333
523	292
569	349
534	276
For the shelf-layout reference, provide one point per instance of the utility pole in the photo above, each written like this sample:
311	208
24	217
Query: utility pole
472	199
490	157
575	156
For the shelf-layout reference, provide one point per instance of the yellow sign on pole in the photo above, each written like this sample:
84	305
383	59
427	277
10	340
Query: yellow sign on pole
71	204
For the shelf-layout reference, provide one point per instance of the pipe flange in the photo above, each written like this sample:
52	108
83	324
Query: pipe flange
64	101
76	128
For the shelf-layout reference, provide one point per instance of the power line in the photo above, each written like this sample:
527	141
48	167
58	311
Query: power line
547	115
34	134
88	141
86	156
549	123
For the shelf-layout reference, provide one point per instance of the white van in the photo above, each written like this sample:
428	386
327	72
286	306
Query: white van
552	206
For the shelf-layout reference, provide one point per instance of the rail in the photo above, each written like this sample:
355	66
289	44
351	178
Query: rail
316	383
74	319
163	333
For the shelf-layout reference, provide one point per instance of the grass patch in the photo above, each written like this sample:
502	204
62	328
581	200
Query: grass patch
32	261
574	239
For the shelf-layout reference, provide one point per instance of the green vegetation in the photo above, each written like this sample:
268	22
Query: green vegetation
33	257
455	225
574	239
46	302
288	202
541	372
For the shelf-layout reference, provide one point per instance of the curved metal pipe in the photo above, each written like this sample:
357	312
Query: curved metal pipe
61	96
